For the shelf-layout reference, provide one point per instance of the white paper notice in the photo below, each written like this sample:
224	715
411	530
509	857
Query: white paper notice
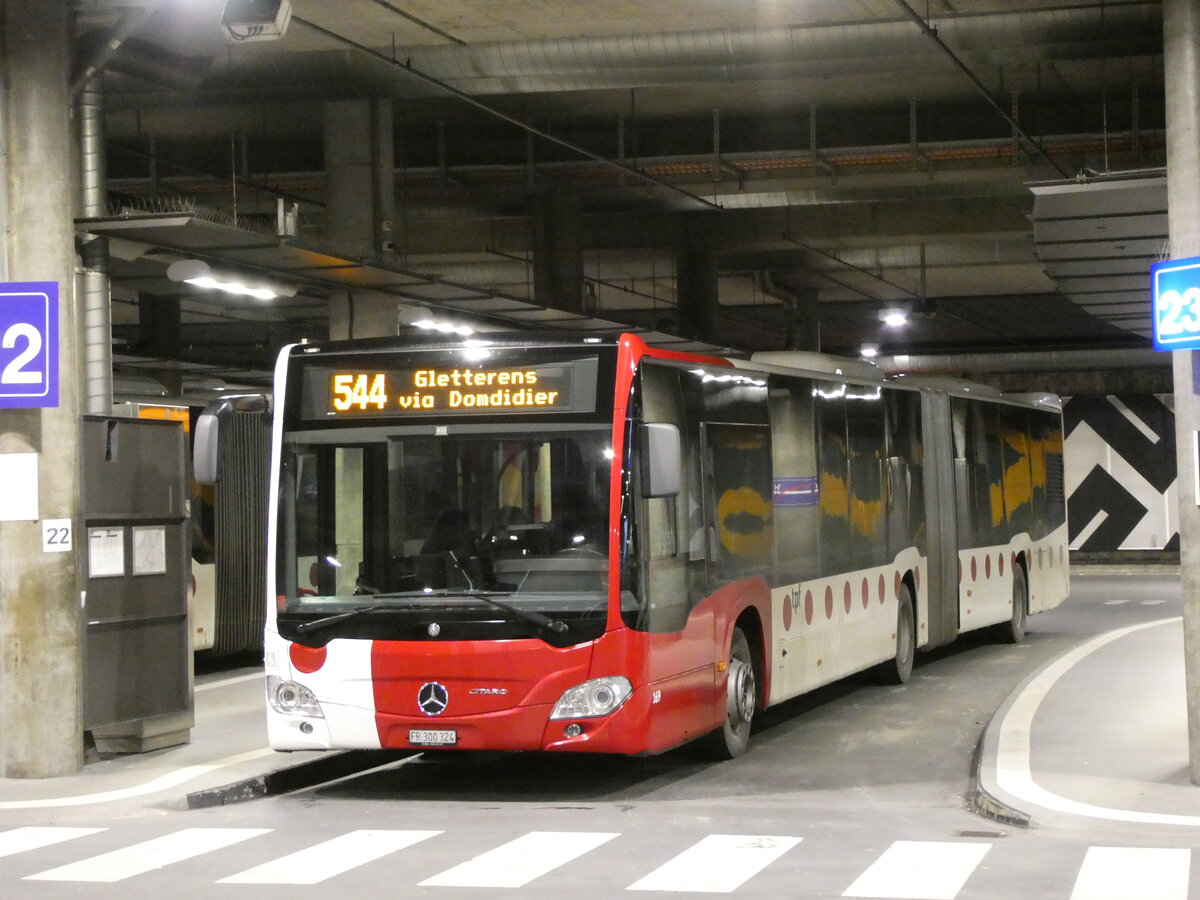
149	550
18	487
106	552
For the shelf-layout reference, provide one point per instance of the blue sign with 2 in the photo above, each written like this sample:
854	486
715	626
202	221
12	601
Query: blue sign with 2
29	344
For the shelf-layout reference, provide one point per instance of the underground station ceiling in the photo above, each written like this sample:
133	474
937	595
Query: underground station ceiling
993	168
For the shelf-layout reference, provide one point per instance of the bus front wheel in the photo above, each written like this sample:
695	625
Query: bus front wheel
741	697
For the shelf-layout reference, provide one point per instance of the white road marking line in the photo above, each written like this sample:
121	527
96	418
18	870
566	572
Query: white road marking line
333	857
226	682
148	855
919	870
33	837
1013	772
718	864
520	861
1118	873
170	780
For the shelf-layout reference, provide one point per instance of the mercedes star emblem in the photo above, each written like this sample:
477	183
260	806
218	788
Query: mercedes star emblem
432	698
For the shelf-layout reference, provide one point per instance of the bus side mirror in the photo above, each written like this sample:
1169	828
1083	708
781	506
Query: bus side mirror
212	432
660	459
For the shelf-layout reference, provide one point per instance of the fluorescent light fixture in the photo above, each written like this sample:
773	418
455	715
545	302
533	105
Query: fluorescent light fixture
869	351
199	273
893	317
444	327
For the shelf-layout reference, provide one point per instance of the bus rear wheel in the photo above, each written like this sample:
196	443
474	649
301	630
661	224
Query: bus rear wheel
741	699
898	669
1013	631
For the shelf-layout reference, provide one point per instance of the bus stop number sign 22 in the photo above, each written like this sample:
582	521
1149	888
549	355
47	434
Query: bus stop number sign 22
29	344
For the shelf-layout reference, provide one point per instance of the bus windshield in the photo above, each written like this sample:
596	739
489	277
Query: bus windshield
394	522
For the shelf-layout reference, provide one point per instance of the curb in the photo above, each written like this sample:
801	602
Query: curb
295	778
985	803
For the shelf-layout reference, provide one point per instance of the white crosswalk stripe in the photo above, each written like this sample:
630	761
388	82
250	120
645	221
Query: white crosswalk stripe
149	855
919	870
519	862
330	858
718	864
714	863
1118	873
20	840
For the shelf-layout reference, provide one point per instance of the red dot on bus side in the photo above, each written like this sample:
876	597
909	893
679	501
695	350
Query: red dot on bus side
882	589
974	570
847	597
1000	564
808	607
987	565
787	612
866	593
829	602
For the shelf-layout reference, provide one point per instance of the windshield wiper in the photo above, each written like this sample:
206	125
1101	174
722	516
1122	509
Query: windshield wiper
536	618
529	615
325	622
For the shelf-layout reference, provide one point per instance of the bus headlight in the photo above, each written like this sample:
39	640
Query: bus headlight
292	699
597	697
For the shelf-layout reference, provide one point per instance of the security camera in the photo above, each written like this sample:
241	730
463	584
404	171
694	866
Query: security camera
256	20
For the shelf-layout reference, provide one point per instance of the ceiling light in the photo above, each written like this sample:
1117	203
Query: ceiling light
199	273
869	351
443	326
256	20
893	317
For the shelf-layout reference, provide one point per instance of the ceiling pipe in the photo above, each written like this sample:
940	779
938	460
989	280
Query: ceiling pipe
932	34
628	60
407	68
149	62
92	276
105	47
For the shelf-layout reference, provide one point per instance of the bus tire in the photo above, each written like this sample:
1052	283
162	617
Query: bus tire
898	669
1013	631
741	699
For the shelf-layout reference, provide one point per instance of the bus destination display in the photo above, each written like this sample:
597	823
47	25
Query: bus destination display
450	390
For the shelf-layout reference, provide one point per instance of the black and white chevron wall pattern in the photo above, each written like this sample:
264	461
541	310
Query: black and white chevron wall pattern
1120	472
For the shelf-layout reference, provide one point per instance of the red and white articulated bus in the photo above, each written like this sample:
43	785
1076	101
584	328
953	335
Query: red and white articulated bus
582	544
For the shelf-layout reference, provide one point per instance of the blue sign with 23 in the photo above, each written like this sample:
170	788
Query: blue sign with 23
1175	287
29	344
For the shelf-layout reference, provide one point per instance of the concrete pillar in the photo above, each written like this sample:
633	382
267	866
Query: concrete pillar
802	320
558	251
360	175
160	333
696	294
1181	47
360	199
362	314
41	628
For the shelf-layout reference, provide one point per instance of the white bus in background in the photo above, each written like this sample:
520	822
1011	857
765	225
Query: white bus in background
228	530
